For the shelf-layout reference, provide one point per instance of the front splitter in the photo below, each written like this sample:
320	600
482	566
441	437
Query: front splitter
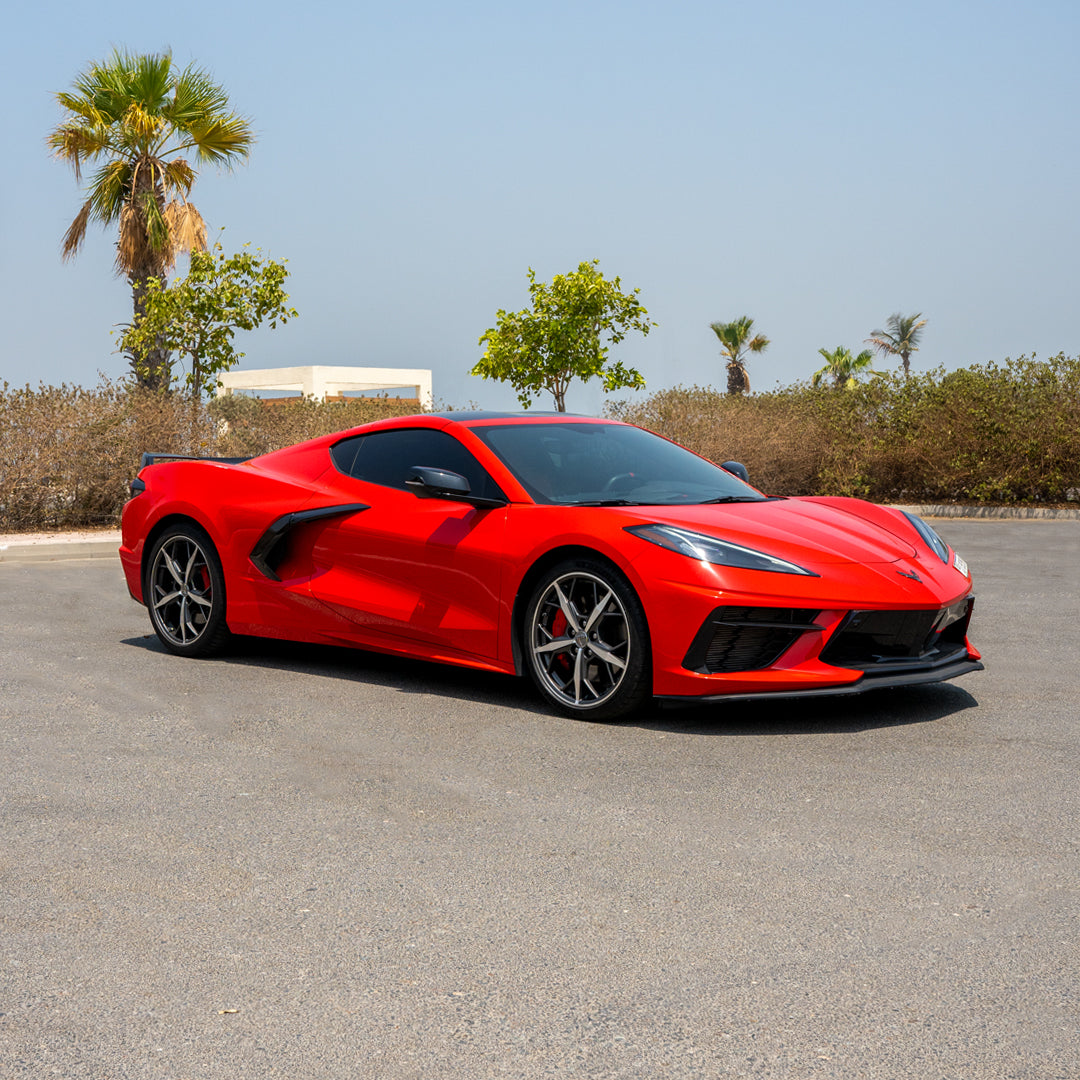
867	682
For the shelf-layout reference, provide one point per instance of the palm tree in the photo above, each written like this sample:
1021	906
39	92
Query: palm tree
735	343
900	339
138	116
843	368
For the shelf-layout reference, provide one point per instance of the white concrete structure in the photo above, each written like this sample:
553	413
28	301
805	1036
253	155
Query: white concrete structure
320	380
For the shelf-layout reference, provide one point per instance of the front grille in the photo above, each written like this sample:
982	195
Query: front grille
746	638
869	640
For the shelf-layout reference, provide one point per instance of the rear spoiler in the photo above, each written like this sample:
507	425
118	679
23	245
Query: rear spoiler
152	459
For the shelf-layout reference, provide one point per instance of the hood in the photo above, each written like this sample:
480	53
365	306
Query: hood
806	532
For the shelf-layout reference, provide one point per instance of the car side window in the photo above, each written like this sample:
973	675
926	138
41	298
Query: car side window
388	457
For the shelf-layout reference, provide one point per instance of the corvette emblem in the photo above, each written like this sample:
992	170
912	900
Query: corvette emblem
910	574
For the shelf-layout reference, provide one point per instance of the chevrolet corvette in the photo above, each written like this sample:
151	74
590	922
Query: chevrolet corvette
606	562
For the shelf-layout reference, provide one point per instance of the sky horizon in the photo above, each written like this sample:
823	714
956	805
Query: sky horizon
817	168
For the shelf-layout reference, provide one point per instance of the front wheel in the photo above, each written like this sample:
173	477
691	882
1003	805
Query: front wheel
587	642
184	591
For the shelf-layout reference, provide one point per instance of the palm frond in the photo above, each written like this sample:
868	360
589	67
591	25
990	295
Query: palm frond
222	140
109	189
144	248
901	336
150	79
157	227
131	243
141	125
92	98
76	232
187	229
69	143
178	175
195	97
883	341
82	107
735	338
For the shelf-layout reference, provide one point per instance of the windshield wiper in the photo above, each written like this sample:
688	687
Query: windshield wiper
731	499
603	502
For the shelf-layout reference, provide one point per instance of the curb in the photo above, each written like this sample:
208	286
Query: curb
60	548
994	513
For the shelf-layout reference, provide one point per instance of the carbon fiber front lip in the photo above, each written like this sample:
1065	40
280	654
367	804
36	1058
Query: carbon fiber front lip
880	682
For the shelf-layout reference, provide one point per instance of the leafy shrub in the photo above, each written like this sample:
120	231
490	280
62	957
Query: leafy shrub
996	433
67	454
248	426
1007	433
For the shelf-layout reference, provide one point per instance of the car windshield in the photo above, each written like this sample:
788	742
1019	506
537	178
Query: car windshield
572	464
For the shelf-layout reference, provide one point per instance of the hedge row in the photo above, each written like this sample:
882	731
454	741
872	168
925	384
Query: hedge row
1007	433
1004	434
67	453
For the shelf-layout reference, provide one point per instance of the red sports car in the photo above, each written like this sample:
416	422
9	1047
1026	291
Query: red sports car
609	563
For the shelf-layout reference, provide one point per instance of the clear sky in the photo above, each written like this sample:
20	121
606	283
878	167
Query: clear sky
817	166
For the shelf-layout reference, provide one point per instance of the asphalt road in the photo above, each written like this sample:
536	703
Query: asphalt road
299	863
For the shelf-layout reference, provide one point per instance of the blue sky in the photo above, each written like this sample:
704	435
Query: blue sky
816	166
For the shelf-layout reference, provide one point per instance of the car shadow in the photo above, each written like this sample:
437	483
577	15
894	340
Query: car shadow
898	706
882	708
404	674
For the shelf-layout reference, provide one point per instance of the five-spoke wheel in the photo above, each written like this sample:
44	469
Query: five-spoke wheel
184	590
586	641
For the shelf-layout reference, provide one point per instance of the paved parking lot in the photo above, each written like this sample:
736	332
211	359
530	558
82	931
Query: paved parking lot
305	863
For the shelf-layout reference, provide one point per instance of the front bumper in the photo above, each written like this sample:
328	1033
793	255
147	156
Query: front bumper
792	645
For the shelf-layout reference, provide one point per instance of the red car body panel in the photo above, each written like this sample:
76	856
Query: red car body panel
444	580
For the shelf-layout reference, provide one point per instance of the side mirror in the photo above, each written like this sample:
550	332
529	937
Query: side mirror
737	468
427	481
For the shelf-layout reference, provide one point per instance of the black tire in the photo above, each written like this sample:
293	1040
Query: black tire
586	641
184	591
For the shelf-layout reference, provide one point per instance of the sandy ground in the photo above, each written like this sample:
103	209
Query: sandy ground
78	536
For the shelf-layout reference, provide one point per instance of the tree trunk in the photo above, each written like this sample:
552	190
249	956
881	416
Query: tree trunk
152	369
142	261
738	381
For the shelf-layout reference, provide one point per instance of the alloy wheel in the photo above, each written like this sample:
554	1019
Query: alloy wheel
579	639
182	593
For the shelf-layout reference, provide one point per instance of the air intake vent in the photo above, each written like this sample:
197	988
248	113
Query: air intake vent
746	638
870	640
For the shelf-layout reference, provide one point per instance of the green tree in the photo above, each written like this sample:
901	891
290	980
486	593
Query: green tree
736	343
199	315
138	116
564	336
843	368
900	338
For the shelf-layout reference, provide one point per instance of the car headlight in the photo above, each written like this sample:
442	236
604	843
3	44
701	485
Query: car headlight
930	538
709	549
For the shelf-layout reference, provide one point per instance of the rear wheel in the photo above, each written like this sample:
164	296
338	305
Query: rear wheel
184	591
587	642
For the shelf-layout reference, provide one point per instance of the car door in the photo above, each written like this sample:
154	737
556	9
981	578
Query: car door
411	569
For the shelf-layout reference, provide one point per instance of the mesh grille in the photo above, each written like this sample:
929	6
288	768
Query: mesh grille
870	638
746	638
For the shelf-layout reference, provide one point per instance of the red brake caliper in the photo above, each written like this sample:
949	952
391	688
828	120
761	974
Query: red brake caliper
558	628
